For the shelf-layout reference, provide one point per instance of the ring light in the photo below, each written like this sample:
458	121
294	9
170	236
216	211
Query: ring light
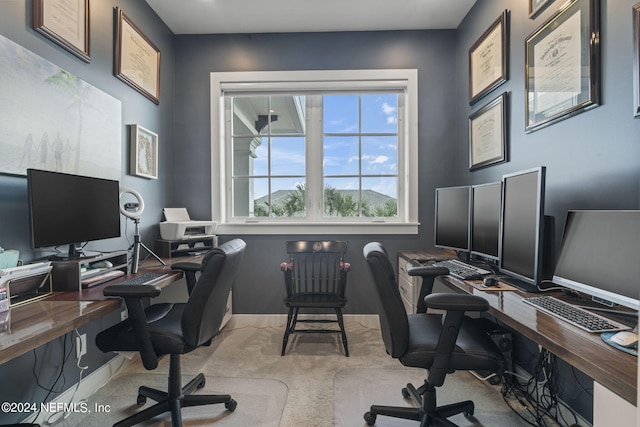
138	211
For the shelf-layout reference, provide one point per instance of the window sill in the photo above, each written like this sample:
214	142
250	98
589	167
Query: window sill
253	228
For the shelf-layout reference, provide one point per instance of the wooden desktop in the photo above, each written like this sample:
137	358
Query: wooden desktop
608	366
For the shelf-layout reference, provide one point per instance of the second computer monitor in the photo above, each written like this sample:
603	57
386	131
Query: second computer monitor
452	218
485	220
522	225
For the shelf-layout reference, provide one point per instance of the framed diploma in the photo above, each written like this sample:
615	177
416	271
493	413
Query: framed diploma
488	134
537	6
636	61
562	71
143	159
137	59
65	22
488	62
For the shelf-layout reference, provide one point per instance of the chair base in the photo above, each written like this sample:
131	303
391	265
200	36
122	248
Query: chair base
292	320
426	412
175	399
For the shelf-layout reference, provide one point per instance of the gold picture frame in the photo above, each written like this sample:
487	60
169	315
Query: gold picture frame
488	59
137	59
488	134
143	160
65	22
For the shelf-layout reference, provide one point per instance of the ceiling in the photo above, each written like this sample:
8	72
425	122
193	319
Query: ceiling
278	16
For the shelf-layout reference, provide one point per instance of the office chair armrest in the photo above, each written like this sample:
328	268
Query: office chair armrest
131	291
456	302
427	271
186	266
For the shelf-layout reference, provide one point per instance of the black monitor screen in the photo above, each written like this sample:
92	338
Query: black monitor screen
485	219
522	224
70	209
452	218
597	255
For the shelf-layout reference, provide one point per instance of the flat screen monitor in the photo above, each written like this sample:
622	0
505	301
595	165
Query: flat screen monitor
452	218
598	256
67	209
522	223
485	220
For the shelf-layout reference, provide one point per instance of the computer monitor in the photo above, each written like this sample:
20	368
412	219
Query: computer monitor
485	220
598	256
522	227
67	209
452	218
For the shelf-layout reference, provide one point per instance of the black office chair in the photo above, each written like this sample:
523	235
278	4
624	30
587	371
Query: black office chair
175	329
428	276
441	344
315	277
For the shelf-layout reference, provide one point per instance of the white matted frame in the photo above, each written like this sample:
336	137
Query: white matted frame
144	152
65	22
488	134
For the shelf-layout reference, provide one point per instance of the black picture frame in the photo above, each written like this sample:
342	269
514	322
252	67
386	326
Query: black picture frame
489	59
488	133
636	61
562	71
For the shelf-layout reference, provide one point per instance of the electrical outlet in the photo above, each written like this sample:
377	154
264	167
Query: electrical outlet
81	345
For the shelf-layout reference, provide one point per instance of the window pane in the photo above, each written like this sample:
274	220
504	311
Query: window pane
340	114
287	115
244	191
341	197
379	113
249	156
380	196
379	155
247	113
340	155
288	156
288	197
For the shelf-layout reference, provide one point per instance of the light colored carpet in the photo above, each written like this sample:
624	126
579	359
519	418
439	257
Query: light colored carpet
313	385
355	390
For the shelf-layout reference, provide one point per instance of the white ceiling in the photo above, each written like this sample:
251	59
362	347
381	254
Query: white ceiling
277	16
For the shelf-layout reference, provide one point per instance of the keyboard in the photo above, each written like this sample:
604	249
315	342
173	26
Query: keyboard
577	316
147	278
462	270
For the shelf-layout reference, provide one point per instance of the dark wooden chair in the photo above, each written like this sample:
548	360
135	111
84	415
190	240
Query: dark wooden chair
315	278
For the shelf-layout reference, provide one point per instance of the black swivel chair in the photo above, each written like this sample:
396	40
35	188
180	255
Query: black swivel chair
175	329
441	344
315	278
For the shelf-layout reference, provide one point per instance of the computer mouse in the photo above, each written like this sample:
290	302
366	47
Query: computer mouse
489	282
625	338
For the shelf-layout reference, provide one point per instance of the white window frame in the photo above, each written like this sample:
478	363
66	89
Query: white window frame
287	81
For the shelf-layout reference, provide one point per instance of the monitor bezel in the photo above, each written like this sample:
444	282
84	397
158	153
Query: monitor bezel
435	222
539	233
479	253
593	291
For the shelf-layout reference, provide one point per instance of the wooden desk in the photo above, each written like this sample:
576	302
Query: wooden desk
36	323
612	368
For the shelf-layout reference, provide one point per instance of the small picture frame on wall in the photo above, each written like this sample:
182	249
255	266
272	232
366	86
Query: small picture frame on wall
488	134
562	65
65	22
636	60
143	160
137	59
537	6
488	59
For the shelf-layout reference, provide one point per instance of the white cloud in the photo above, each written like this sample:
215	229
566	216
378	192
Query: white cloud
379	160
388	109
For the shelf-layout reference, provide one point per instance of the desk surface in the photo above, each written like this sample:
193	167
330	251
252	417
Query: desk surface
35	323
612	368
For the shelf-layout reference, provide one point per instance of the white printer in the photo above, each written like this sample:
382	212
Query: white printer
178	226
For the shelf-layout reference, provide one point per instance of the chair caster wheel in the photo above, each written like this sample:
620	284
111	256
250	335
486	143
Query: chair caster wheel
231	405
370	418
141	400
405	393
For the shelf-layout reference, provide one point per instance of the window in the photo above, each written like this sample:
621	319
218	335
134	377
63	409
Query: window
315	152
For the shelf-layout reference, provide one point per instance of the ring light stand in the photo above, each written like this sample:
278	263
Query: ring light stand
133	212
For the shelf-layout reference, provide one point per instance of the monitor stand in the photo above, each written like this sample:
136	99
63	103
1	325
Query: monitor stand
74	252
520	284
